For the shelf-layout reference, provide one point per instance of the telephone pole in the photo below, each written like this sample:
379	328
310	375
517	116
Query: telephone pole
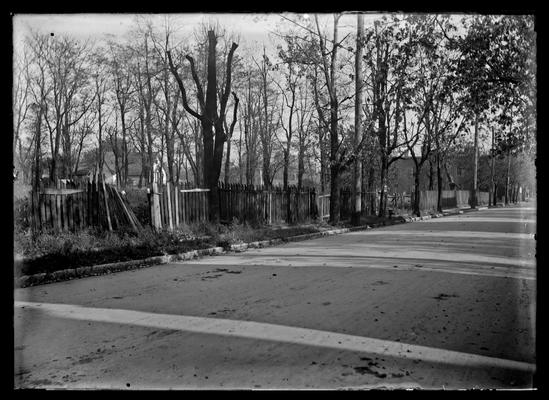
493	197
357	178
475	174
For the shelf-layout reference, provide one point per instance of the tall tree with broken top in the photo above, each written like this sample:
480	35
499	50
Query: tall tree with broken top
328	67
211	119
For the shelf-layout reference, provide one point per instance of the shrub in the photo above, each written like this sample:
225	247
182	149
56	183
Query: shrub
138	201
56	251
21	214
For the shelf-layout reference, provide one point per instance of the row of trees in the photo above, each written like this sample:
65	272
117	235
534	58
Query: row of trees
352	104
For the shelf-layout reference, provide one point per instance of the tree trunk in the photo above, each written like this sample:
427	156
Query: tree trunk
334	195
37	150
372	190
240	168
323	172
334	167
417	193
507	177
355	218
439	183
125	166
431	176
285	185
66	165
300	166
199	156
492	200
382	182
100	138
170	149
474	200
207	121
116	152
227	162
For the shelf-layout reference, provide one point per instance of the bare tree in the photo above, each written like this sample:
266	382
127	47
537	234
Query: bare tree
144	74
304	115
268	124
67	66
101	85
388	57
211	119
123	89
341	156
21	106
329	69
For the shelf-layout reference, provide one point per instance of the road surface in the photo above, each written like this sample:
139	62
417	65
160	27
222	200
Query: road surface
443	303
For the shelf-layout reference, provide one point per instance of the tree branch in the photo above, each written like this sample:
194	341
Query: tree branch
181	88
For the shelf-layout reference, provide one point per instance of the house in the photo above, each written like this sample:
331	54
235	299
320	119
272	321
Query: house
460	173
87	166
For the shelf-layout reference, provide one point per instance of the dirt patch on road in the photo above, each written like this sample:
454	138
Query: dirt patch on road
227	271
367	370
444	296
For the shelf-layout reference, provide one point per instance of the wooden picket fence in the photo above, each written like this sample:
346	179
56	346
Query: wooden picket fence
399	203
323	205
484	198
462	198
176	205
259	204
76	205
346	203
450	199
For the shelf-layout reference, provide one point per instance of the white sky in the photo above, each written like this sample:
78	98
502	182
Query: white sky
254	29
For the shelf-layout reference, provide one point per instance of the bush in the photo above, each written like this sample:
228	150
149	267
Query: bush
56	251
21	211
52	251
138	201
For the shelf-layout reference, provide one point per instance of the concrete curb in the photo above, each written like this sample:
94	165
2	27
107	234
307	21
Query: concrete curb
103	269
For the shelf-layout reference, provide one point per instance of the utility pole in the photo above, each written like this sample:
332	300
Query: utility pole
475	175
493	197
357	178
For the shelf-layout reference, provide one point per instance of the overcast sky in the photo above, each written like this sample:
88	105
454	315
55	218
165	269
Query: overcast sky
255	30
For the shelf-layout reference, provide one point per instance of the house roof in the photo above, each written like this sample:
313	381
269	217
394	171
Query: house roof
134	165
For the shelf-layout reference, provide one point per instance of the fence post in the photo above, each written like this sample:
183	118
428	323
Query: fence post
270	208
176	203
169	191
106	203
155	211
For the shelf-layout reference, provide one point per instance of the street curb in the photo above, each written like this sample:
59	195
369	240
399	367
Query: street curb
104	269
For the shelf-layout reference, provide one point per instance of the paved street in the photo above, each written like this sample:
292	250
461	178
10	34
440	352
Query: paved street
448	302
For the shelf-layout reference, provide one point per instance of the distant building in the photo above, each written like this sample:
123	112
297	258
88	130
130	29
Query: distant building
87	167
310	177
460	169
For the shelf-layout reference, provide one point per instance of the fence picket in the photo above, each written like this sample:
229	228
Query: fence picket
169	201
176	203
73	206
70	224
42	209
